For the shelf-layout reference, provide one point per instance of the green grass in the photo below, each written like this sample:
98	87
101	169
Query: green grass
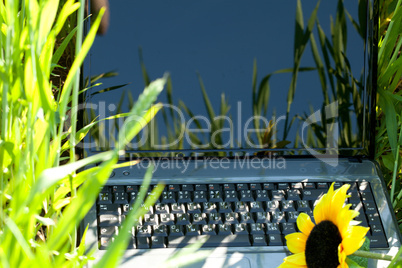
389	109
41	204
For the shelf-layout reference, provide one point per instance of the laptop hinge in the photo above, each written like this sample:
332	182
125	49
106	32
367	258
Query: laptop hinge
355	159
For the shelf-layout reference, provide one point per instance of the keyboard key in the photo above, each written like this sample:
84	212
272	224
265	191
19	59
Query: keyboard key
167	219
105	242
231	218
224	207
370	207
246	196
277	195
378	242
362	218
275	240
200	196
373	218
184	197
109	209
174	187
182	219
177	208
118	189
296	185
240	207
376	229
354	197
148	209
293	194
142	242
292	216
161	208
159	230
240	228
242	186
199	218
109	220
245	217
256	228
258	240
157	242
268	186
255	186
168	197
187	187
224	229
212	241
208	229
194	207
213	187
283	186
272	228
262	217
309	185
131	188
367	196
132	196
200	187
214	218
312	195
143	231
231	196
126	208
176	230
303	206
192	230
150	219
104	198
288	228
256	206
272	205
288	205
228	186
215	196
278	216
322	185
208	207
261	195
108	231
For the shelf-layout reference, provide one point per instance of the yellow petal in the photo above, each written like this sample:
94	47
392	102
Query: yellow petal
304	223
342	257
319	210
337	201
291	265
296	242
355	239
299	259
343	219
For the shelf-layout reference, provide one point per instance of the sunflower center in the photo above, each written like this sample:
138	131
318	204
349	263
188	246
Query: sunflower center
322	246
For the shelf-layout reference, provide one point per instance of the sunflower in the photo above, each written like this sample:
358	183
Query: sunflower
331	239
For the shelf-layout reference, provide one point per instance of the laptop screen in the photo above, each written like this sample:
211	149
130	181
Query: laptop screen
288	77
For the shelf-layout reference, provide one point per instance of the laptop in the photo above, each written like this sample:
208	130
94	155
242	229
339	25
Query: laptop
267	103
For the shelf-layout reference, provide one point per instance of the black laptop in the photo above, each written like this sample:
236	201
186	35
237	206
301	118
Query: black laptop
266	104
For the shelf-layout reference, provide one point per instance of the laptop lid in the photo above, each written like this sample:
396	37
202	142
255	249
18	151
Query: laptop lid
282	77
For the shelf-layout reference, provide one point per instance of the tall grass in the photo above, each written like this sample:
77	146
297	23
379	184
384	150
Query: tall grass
389	109
39	204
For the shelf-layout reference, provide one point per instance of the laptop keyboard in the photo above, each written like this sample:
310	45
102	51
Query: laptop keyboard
226	215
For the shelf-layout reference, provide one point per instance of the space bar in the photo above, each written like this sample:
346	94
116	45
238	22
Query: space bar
212	241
